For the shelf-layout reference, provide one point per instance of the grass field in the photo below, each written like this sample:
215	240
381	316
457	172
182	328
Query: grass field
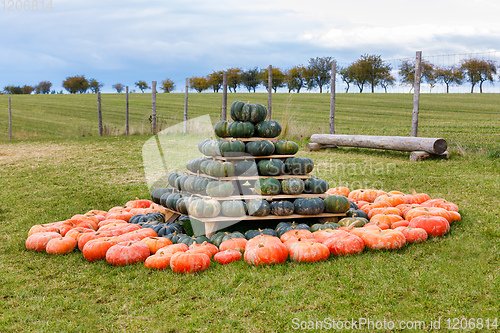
466	121
58	173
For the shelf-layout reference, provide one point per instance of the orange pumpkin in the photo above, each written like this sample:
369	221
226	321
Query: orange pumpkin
384	210
139	203
441	203
417	198
340	190
189	262
344	243
392	199
61	245
265	250
156	243
376	238
137	235
109	221
432	211
404	208
434	225
402	223
385	218
308	251
127	253
413	235
237	244
43	228
205	247
157	261
368	207
96	249
38	241
365	195
168	251
227	256
296	234
322	235
77	232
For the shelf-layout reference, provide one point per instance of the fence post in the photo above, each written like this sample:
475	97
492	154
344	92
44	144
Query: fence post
270	91
127	131
153	103
332	98
224	96
416	94
10	120
186	108
99	112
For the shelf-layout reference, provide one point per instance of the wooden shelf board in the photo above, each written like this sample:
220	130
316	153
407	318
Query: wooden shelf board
248	157
250	177
249	139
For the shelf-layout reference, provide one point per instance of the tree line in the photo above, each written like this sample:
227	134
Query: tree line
368	71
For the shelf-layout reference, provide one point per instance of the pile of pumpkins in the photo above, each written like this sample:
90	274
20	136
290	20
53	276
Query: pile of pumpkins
378	220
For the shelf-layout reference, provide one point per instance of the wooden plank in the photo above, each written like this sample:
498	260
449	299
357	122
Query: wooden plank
249	177
224	95
249	139
332	97
265	197
99	113
127	128
402	143
248	157
416	94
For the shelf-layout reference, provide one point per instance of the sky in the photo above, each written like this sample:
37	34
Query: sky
126	41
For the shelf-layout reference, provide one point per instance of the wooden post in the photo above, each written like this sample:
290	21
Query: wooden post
332	98
270	91
224	96
99	112
127	128
416	94
153	103
186	108
10	119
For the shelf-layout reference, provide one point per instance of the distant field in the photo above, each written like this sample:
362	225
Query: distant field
466	121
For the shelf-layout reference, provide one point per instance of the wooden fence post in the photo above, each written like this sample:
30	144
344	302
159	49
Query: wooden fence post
127	128
224	96
186	107
99	112
10	119
332	98
270	91
416	94
153	104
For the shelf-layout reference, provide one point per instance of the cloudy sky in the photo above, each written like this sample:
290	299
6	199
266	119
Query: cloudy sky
125	41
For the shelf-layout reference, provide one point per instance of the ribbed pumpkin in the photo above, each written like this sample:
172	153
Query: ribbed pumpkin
220	189
211	148
179	182
204	208
315	185
267	186
268	129
235	110
220	129
292	186
282	208
246	167
231	148
260	148
219	169
235	208
254	113
298	165
283	227
258	207
283	147
271	167
158	192
193	164
265	250
336	204
172	177
240	129
309	206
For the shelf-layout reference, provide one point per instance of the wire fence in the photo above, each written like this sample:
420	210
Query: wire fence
467	121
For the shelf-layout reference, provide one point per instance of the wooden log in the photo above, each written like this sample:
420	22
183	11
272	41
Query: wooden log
423	155
318	146
402	143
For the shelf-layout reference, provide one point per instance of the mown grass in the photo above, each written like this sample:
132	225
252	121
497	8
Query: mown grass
49	180
466	121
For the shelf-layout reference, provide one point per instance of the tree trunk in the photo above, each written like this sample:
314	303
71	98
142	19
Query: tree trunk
481	87
401	143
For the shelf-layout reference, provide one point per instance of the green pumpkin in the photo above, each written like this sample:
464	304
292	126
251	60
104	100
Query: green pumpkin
246	168
171	200
189	183
235	208
258	207
235	110
164	197
211	148
240	129
352	222
179	182
193	164
158	192
220	129
309	206
292	186
324	226
271	167
336	204
283	147
232	148
172	177
315	185
298	165
267	186
204	208
220	169
254	113
204	164
260	148
200	185
351	212
268	129
193	240
282	208
221	236
201	144
283	227
182	204
254	233
220	189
